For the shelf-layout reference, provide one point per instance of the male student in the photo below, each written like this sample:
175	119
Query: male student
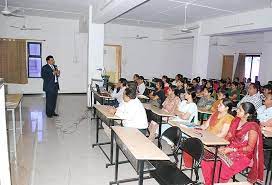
119	91
141	85
50	74
132	111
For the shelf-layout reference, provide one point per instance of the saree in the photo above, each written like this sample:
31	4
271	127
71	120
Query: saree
238	138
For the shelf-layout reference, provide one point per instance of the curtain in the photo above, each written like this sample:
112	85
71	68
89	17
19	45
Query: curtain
13	61
240	67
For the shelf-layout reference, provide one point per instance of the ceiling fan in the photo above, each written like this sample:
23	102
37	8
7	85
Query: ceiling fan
217	44
10	12
137	37
186	29
24	27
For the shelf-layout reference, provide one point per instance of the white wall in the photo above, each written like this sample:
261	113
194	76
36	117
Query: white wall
150	57
261	46
63	41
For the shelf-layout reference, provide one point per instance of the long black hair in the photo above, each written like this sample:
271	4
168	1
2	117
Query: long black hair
192	92
249	108
228	103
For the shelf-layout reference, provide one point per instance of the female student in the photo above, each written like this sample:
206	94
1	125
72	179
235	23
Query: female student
169	105
158	97
165	80
220	121
234	93
207	100
246	146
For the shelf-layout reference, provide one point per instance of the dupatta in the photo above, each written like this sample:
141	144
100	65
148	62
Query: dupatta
257	171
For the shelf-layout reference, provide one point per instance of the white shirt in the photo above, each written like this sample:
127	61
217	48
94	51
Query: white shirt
118	95
264	114
255	100
53	68
141	88
133	113
188	108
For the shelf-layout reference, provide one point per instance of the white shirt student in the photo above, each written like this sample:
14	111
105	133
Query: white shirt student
122	83
118	95
141	85
132	111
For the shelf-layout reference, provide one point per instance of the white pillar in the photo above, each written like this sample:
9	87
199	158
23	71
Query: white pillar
200	56
95	51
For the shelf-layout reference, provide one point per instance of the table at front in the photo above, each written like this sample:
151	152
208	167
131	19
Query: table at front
161	113
135	145
202	112
99	98
102	114
206	137
268	135
12	103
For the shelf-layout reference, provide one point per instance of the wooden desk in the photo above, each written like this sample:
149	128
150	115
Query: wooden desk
147	106
161	113
202	112
13	101
136	146
99	98
141	96
206	137
102	113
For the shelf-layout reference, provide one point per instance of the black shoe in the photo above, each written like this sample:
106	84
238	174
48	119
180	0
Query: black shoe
49	116
55	114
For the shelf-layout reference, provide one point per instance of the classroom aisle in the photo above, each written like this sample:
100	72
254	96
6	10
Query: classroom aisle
62	158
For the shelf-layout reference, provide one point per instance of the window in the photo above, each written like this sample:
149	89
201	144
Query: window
34	50
252	66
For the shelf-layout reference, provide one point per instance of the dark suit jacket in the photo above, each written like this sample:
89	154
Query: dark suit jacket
49	84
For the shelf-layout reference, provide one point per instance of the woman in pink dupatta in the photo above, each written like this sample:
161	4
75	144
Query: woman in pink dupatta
245	149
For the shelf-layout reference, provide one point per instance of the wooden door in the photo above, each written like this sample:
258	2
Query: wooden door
227	68
112	61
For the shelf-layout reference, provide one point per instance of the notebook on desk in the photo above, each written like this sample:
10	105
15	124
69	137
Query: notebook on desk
101	93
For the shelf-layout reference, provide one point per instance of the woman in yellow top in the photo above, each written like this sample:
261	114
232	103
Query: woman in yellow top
220	121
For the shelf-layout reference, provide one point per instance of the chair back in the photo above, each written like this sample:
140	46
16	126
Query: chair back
194	147
173	136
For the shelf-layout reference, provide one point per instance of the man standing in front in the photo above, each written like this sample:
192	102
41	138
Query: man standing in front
50	74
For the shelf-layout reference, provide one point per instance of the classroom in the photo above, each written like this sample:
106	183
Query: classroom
168	92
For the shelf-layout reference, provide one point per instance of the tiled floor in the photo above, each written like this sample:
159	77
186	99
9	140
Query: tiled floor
53	151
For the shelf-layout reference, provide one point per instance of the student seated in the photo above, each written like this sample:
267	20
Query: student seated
245	149
157	97
265	112
234	93
169	105
207	100
132	111
136	77
187	109
140	85
265	117
119	91
180	89
220	96
253	96
178	77
266	90
219	122
196	85
165	81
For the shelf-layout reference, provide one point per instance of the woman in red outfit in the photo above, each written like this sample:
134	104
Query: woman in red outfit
245	149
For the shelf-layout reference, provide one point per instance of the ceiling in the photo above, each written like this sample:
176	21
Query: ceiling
69	9
153	13
168	13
